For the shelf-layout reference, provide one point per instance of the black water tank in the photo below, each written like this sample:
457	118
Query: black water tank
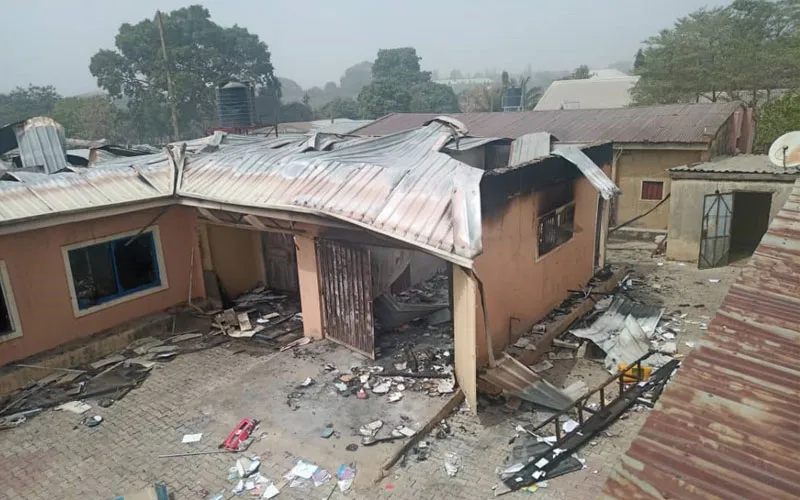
235	105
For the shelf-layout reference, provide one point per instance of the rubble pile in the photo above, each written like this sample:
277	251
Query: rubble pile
104	381
262	315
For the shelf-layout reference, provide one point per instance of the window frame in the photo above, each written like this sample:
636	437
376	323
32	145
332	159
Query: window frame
641	189
7	295
562	208
161	267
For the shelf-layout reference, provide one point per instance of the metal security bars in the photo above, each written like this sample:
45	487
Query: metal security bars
556	227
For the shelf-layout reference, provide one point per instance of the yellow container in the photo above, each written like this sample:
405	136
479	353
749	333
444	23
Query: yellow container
634	375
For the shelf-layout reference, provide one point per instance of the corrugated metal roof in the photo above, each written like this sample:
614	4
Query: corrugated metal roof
743	164
591	93
726	426
674	123
529	147
401	186
41	143
37	194
593	173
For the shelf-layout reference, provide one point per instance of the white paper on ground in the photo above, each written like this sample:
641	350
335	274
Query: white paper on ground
192	438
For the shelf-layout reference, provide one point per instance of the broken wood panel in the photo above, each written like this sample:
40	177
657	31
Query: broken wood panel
465	331
346	282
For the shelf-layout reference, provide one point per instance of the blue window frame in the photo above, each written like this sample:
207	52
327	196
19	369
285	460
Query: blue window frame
107	271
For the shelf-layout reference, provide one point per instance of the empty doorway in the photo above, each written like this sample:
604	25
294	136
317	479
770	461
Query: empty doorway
750	222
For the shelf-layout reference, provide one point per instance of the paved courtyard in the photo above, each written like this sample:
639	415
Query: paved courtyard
52	456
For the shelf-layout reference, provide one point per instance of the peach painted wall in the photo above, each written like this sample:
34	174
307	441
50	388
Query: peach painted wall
39	280
515	284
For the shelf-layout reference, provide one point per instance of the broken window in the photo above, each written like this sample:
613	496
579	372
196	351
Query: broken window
9	319
556	227
652	190
107	271
6	325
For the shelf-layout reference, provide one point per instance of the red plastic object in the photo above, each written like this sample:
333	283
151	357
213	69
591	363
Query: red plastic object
239	434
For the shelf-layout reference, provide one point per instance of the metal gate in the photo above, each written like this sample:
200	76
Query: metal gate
715	236
280	258
346	283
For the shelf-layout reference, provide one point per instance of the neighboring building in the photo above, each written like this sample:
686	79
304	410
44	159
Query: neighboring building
335	126
97	247
647	141
726	425
721	209
592	93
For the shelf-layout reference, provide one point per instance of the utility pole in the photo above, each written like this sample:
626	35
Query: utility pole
170	90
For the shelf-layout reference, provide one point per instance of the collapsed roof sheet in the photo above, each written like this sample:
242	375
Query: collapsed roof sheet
401	186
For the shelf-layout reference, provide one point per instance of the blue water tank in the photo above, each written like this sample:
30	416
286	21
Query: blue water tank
235	104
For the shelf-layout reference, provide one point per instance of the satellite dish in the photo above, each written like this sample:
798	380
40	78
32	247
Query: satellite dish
785	151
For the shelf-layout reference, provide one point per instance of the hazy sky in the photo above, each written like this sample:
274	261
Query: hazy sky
313	41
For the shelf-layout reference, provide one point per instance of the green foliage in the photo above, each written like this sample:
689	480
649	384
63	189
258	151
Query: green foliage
202	55
401	65
732	53
383	96
21	104
340	108
430	97
638	60
295	112
400	86
579	73
93	117
355	78
779	116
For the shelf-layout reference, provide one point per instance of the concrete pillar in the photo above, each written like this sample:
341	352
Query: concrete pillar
465	331
308	279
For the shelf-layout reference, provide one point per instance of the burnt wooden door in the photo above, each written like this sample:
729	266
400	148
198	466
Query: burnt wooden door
715	236
280	258
346	285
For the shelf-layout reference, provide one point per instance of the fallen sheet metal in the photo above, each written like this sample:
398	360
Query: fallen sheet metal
623	331
391	313
521	381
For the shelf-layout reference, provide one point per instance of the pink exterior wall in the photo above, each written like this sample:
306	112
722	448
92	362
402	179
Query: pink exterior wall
516	285
39	280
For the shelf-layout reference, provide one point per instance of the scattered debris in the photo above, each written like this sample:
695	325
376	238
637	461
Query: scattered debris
192	438
77	407
395	396
238	439
345	476
370	429
452	462
351	447
92	421
542	366
327	431
320	477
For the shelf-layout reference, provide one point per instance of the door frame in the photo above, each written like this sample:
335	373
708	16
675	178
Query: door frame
714	209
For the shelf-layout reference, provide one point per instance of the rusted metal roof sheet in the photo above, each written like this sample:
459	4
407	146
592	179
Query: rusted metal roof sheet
516	378
674	123
726	426
740	164
401	186
38	194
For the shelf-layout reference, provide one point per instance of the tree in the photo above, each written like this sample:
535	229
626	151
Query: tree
580	73
383	96
399	85
355	78
295	112
456	75
401	65
638	60
91	118
23	103
777	117
340	108
430	97
202	55
743	51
